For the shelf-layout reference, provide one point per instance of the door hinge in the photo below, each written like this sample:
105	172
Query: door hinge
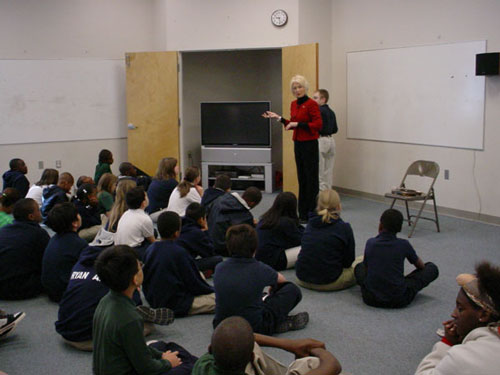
127	60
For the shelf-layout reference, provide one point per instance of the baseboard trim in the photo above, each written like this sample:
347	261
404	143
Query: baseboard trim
467	215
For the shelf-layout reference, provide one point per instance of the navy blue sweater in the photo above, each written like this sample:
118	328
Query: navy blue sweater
327	248
79	301
16	180
90	215
274	241
159	192
60	256
210	195
194	240
52	195
171	278
226	211
22	244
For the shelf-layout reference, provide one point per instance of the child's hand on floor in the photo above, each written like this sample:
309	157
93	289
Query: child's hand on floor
172	358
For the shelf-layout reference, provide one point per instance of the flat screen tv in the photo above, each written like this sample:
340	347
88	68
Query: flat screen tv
235	124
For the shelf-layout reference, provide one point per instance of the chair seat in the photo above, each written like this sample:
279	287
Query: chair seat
406	197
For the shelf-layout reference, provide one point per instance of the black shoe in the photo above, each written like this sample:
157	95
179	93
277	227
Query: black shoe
12	320
293	323
161	316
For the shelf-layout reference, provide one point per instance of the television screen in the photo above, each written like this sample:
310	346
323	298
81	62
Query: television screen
235	124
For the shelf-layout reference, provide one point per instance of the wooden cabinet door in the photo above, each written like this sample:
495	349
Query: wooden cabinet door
152	108
302	60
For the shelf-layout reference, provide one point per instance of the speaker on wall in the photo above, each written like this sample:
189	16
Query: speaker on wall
488	64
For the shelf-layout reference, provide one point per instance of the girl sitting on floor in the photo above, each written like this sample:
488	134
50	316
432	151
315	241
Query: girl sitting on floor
105	192
326	260
280	233
188	191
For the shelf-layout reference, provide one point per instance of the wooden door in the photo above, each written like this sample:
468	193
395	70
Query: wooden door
152	108
302	60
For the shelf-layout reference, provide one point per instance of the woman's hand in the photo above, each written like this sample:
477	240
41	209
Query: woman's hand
269	114
291	125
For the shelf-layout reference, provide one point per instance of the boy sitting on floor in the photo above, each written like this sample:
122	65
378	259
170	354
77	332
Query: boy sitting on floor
81	298
196	240
240	281
381	275
22	244
16	177
235	349
171	278
221	186
135	227
55	194
231	209
119	345
63	250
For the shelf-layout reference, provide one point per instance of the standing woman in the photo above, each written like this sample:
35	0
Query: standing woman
305	121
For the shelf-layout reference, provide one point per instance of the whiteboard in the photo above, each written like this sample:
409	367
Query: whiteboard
61	100
422	95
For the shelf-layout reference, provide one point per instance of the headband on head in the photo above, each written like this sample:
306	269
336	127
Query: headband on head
470	285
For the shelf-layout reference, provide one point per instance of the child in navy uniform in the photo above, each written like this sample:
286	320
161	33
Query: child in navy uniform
196	240
162	186
55	194
81	298
16	177
221	186
280	233
240	281
87	204
381	275
171	278
231	209
22	244
63	249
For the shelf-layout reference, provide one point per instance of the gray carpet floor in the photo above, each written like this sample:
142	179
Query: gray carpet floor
366	340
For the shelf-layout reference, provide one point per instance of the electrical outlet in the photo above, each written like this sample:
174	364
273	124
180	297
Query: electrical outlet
40	164
446	174
58	164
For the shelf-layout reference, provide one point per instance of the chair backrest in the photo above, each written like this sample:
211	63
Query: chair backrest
423	168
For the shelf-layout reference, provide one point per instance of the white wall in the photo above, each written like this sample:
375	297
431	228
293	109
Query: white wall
228	24
374	167
77	29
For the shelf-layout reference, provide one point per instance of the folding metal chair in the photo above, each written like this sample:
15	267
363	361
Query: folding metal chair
422	168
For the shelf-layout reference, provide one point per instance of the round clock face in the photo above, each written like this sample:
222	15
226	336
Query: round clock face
279	17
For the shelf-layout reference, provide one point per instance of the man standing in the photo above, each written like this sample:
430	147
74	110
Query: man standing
326	141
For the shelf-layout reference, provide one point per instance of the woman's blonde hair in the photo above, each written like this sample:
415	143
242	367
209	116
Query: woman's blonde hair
191	174
301	80
328	205
120	206
166	169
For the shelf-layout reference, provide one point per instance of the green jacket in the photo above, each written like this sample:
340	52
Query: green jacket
100	169
205	365
119	345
